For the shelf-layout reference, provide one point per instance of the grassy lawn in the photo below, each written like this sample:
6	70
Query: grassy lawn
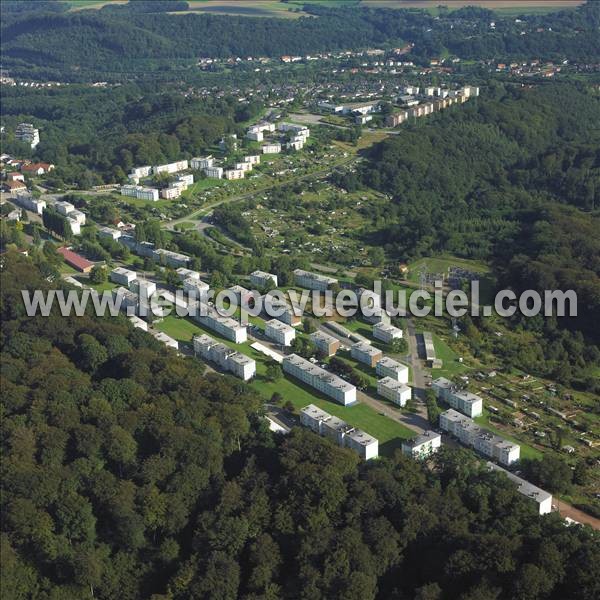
389	433
451	366
440	264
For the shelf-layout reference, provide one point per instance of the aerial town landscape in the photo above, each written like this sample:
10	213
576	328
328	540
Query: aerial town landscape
193	193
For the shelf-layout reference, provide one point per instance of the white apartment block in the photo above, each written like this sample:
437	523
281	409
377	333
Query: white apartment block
77	216
295	145
542	499
423	445
243	166
227	327
109	232
386	333
27	133
366	354
143	287
170	193
470	434
313	281
138	323
253	159
271	148
123	276
393	390
139	172
292	127
63	207
262	279
184	273
172	259
461	400
234	174
279	332
75	226
226	358
26	200
326	344
325	382
255	136
174	167
214	172
339	431
388	367
127	298
139	192
197	287
261	127
202	162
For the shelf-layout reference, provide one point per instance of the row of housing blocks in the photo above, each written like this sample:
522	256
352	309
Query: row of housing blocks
208	165
26	200
172	191
427	108
339	431
226	358
299	135
483	441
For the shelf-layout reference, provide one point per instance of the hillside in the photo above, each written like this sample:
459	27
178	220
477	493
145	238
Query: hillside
126	40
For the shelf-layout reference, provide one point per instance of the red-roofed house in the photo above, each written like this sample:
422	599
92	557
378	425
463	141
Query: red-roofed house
75	260
13	186
37	168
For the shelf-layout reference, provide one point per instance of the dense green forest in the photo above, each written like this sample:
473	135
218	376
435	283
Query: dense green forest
132	40
513	178
129	472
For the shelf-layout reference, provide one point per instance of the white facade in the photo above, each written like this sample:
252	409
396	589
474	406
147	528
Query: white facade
139	192
388	367
423	445
139	172
327	383
279	332
173	259
162	337
398	393
386	333
138	323
263	279
174	167
184	273
313	281
202	162
461	400
64	208
339	431
199	288
78	216
122	276
26	200
170	193
228	359
271	148
366	354
234	174
214	172
255	136
253	159
75	226
108	232
243	166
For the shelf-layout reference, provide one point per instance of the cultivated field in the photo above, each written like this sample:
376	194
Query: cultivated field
258	8
504	6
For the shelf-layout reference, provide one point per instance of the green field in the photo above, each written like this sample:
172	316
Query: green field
389	433
451	367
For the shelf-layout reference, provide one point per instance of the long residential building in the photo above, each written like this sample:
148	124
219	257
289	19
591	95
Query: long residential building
26	200
339	431
325	382
326	344
423	445
366	354
540	497
173	259
226	326
139	192
313	281
262	279
234	174
213	172
226	358
174	167
465	402
122	276
202	162
386	333
482	440
280	332
271	148
391	389
27	133
388	367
